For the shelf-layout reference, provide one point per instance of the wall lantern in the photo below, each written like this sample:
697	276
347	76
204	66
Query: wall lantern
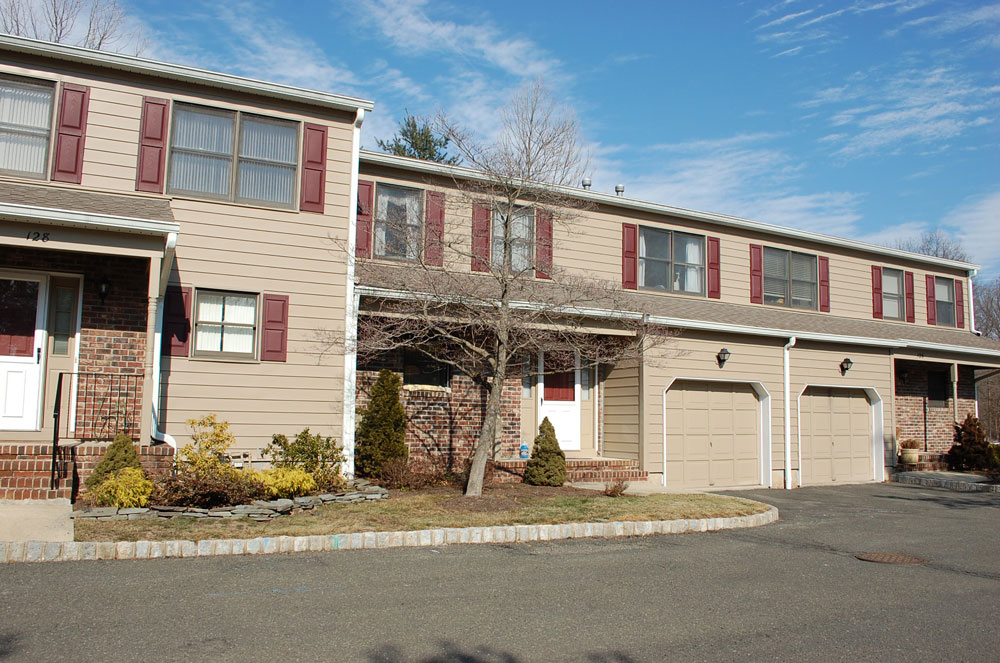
723	357
103	288
846	365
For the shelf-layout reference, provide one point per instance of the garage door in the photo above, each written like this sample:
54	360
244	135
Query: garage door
713	435
836	436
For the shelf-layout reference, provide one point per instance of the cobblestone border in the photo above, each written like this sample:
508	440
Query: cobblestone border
950	484
40	551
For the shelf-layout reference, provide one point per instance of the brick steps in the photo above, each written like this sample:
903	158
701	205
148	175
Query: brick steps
577	470
927	461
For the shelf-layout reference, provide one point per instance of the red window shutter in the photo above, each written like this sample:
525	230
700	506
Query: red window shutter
313	168
931	301
152	145
274	328
876	292
959	304
756	274
434	231
714	269
543	244
630	256
911	308
176	335
824	284
366	202
480	238
71	133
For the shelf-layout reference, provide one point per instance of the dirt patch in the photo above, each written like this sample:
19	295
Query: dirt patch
484	504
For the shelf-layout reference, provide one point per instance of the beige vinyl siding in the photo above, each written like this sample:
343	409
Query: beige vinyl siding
622	411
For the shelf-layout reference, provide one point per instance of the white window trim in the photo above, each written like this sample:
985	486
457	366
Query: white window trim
422	193
900	297
53	109
222	355
671	262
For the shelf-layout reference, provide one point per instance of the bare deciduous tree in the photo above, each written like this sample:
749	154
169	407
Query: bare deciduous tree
987	295
935	243
98	24
491	324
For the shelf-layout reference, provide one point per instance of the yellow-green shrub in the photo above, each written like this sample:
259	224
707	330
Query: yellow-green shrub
126	489
210	440
287	482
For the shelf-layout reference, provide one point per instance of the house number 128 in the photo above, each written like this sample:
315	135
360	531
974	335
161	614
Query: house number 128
35	236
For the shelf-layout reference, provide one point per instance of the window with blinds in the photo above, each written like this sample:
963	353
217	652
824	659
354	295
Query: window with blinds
398	212
514	237
790	278
25	127
233	156
225	324
671	261
893	294
944	299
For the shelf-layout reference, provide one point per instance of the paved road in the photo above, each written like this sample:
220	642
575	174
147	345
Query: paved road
792	590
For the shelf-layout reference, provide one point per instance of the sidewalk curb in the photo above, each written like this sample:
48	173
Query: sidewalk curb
950	484
41	551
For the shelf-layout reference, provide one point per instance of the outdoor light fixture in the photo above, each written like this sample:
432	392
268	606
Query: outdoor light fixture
846	365
723	357
103	288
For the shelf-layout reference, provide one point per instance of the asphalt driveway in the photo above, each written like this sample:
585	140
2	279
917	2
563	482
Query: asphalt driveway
788	590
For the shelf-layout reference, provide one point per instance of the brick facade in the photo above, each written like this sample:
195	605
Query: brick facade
930	422
26	469
112	335
443	425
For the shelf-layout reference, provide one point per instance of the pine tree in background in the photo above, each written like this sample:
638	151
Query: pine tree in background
972	450
417	139
381	435
547	465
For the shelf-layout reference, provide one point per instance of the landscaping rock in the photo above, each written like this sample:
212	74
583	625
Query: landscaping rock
95	512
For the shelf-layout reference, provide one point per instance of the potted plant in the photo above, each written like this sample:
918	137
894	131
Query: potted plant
908	451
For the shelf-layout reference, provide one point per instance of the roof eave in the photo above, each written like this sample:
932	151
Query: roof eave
88	220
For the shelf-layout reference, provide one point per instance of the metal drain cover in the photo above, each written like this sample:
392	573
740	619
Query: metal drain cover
890	558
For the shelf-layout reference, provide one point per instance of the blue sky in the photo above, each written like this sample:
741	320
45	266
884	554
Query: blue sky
874	119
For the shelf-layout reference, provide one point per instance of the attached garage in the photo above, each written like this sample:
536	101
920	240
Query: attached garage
835	436
712	435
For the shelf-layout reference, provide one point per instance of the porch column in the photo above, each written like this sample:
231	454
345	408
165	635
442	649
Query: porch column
954	390
152	298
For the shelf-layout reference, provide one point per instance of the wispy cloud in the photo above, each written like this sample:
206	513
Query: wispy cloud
410	28
975	222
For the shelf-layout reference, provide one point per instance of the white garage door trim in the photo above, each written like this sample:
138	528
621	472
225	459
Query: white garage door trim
764	405
875	404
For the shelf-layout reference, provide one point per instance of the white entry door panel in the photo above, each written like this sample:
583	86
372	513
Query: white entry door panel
22	337
559	400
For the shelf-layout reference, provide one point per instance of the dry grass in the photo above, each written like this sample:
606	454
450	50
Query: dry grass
431	509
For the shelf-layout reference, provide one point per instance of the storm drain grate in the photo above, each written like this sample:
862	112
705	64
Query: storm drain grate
890	558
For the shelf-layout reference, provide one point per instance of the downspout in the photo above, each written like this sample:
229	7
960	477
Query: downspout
351	303
972	304
155	432
788	412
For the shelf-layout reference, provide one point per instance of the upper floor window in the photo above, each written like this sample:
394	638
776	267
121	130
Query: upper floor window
790	278
671	261
233	156
25	127
893	293
944	298
225	324
398	214
521	235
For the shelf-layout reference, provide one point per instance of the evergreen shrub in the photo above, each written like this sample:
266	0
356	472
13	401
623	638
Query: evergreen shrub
313	453
972	449
126	488
381	433
547	465
120	454
286	482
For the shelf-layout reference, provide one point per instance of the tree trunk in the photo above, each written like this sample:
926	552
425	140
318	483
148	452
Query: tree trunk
487	437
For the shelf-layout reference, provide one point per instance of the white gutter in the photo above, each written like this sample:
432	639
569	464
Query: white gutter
972	304
788	413
701	325
178	72
668	210
155	433
351	306
89	220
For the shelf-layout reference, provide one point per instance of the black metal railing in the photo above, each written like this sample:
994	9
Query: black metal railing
91	407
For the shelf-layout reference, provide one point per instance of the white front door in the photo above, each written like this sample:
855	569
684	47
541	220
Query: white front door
559	400
22	339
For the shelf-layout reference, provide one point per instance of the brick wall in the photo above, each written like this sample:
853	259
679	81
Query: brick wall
916	416
112	332
26	469
443	426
